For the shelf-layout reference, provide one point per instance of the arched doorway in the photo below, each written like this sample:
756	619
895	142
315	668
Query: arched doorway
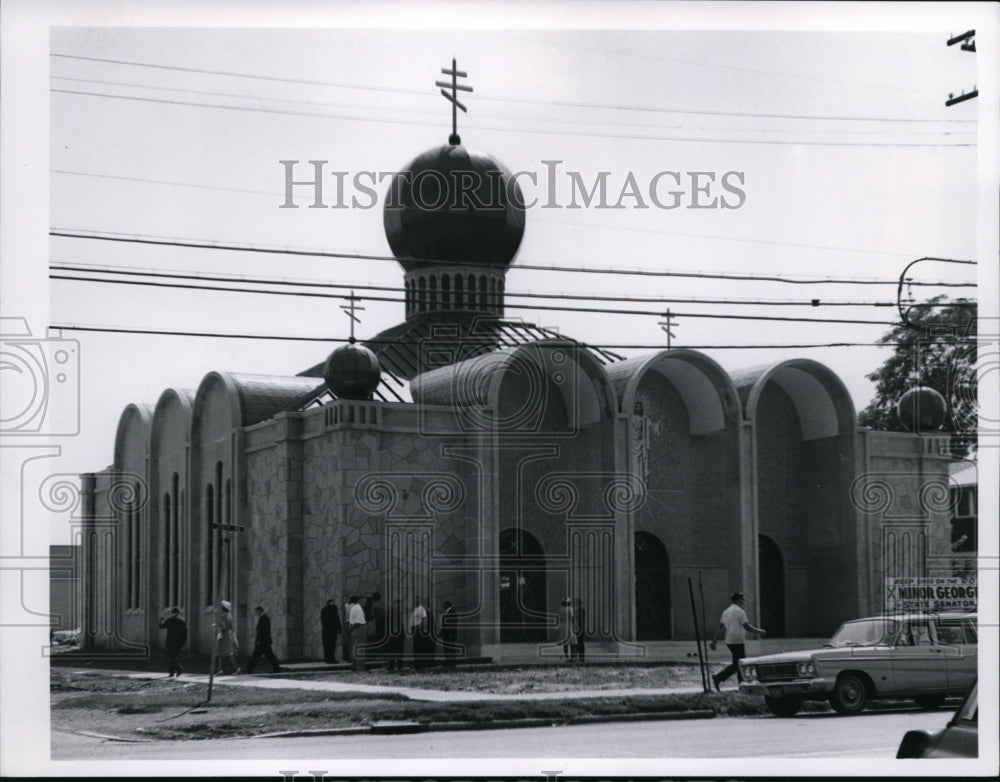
522	588
652	589
771	570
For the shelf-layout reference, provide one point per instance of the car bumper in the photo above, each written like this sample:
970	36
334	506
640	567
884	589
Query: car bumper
804	687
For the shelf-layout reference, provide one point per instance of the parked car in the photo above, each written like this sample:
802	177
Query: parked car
958	739
926	657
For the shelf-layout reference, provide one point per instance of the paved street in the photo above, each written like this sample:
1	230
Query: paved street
869	735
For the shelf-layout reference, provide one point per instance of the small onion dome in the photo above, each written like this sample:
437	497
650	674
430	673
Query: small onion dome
922	409
454	206
352	372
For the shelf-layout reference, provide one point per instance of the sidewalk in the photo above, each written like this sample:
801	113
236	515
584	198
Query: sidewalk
528	655
275	682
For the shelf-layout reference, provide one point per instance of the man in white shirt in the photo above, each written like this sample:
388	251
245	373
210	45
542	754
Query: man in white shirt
732	625
422	645
359	632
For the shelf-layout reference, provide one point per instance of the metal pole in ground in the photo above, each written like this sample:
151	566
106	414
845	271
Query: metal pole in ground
697	638
704	626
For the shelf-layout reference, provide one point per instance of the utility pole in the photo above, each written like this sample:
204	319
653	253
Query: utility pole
968	41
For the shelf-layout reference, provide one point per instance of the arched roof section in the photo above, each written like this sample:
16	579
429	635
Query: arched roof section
250	399
133	433
570	366
181	399
708	393
822	401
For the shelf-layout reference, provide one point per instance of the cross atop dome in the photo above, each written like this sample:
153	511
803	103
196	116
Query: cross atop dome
452	98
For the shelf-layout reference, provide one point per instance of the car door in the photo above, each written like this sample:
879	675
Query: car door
958	638
919	662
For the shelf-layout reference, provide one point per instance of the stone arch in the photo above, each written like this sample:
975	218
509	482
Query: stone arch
132	539
821	399
704	386
802	429
169	532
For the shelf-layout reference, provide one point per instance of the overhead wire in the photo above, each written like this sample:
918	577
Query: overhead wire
243	279
545	131
576	122
542	219
192	244
505	99
507	304
375	341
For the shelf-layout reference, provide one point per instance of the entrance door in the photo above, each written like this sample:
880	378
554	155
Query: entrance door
772	587
652	589
522	588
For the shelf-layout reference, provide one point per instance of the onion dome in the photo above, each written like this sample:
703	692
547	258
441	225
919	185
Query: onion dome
451	205
922	409
352	372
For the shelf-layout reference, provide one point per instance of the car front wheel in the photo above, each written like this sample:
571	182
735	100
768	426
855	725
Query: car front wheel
783	707
849	695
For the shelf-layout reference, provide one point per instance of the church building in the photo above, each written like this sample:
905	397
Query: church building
468	457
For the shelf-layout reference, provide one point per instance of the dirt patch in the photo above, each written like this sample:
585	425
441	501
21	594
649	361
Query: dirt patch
529	679
165	708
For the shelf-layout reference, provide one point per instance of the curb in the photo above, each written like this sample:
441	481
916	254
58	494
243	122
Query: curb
399	728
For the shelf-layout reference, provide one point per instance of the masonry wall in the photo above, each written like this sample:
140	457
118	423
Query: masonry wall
353	498
901	496
692	503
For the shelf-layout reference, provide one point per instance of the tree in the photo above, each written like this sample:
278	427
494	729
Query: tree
935	348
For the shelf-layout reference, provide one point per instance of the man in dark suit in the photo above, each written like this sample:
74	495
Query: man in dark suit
262	643
329	619
177	634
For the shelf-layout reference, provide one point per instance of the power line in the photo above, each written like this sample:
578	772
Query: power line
191	244
549	221
503	99
507	305
548	120
272	193
221	335
545	131
249	280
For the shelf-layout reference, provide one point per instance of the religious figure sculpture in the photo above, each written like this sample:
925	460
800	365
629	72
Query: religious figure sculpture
641	429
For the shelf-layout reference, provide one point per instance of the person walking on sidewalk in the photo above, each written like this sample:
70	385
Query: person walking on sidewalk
177	635
359	633
329	619
226	638
733	625
348	650
420	630
566	627
262	643
580	627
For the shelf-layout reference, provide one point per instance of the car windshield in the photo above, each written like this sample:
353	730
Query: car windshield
864	632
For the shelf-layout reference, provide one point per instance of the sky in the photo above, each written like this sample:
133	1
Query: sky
841	159
170	122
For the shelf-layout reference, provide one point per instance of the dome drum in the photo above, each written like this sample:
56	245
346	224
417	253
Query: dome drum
454	288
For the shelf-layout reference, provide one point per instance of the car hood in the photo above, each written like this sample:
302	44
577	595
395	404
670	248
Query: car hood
824	653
